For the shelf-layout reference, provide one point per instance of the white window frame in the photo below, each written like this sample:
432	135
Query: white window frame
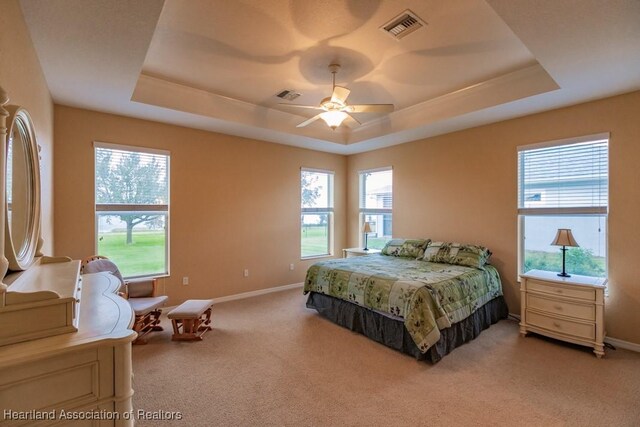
362	211
119	208
568	211
329	210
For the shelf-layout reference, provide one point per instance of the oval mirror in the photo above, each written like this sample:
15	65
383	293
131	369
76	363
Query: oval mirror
22	186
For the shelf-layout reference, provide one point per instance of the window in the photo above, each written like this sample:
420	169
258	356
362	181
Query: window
376	203
316	219
132	208
564	184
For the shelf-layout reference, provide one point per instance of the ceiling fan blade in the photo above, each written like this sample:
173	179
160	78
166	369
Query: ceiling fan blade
309	121
351	121
340	94
370	108
312	107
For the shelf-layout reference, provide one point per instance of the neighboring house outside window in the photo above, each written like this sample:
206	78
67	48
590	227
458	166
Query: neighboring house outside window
376	205
316	213
564	184
132	208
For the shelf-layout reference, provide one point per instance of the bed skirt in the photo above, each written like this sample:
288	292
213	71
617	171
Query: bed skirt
393	334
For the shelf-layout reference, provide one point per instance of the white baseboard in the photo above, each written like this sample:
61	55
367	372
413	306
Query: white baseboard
168	308
623	344
257	293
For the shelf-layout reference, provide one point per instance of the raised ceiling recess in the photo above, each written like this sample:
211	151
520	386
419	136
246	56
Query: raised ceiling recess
219	65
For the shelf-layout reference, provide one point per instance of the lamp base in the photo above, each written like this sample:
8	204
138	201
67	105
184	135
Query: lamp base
563	274
365	249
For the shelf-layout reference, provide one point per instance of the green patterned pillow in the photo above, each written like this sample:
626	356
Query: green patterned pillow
441	252
472	256
406	248
392	247
457	253
413	248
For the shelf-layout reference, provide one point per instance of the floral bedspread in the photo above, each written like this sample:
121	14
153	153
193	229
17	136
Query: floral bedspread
427	296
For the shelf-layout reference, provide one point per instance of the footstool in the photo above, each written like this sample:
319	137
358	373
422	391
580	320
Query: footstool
191	319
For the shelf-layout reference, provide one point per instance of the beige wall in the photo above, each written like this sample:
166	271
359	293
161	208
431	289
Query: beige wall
235	203
22	78
462	187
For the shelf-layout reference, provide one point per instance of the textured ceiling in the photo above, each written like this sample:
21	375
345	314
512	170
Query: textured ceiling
217	65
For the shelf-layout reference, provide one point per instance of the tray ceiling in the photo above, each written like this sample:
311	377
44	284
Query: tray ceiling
218	65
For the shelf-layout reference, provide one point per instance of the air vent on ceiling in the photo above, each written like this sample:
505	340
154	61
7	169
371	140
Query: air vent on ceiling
403	25
289	95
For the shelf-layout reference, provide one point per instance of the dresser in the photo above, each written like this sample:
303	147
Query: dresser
80	370
65	340
352	252
565	308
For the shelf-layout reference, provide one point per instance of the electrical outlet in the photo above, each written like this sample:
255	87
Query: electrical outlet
291	266
185	280
246	272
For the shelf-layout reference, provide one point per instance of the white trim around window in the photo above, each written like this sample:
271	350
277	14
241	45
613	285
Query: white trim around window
143	214
564	184
316	213
376	208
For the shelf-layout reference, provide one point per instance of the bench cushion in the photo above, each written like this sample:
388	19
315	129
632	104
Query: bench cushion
190	309
142	306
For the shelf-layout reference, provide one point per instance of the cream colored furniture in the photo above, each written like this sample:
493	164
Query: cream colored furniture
565	308
142	295
65	343
191	319
87	372
42	303
351	252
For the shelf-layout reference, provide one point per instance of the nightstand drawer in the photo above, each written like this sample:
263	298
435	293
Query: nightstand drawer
566	327
579	311
587	294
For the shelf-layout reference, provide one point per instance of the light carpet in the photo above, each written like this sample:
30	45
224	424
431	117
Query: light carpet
270	361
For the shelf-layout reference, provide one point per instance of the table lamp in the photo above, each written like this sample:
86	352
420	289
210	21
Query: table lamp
564	238
366	229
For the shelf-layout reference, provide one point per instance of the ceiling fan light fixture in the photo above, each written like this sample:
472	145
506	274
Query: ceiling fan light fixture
333	119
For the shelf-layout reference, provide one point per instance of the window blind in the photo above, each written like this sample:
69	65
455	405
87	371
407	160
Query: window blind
572	176
132	208
376	190
316	190
126	178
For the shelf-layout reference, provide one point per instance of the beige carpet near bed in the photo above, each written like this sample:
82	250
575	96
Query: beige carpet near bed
271	361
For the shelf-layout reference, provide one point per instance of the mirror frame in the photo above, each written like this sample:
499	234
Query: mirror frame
19	261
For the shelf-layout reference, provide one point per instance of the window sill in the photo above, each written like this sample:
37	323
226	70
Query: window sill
148	277
307	258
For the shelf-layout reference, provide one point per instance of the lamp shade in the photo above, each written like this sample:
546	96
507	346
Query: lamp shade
564	238
366	228
333	119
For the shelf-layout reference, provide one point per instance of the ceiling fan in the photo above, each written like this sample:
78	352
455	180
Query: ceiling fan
336	109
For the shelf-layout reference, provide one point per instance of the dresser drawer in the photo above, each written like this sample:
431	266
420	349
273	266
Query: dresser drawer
70	378
587	294
579	311
566	327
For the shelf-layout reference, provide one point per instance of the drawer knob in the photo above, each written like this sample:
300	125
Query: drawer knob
557	325
558	307
559	291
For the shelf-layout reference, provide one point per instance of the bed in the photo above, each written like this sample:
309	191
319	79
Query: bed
419	307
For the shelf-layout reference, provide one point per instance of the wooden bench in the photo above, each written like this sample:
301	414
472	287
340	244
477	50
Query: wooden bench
191	319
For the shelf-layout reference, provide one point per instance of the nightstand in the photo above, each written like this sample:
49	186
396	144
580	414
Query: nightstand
351	252
566	308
